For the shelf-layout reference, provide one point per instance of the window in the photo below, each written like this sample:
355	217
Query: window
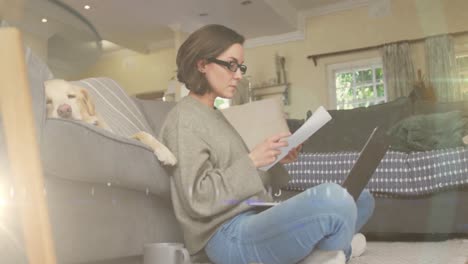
462	62
357	84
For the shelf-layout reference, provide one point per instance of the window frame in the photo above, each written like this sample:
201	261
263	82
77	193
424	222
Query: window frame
332	69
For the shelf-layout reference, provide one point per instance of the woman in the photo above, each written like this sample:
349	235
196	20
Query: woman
216	174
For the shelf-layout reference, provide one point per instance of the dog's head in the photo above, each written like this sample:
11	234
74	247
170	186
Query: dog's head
65	100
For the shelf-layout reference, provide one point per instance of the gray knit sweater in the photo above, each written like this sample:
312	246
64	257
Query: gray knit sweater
214	176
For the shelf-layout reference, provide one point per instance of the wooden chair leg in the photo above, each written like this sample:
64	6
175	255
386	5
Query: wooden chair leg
22	148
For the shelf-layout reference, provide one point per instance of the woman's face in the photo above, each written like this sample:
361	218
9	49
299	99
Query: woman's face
222	80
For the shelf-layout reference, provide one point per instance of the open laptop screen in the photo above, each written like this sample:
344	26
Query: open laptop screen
367	162
369	159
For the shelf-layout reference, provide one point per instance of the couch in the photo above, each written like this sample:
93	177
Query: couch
107	195
431	214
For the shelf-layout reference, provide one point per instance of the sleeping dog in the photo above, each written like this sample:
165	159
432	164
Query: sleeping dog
68	101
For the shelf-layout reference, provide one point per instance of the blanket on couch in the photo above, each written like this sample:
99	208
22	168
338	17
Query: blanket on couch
429	132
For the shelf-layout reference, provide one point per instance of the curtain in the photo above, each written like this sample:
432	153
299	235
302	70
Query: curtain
442	68
398	69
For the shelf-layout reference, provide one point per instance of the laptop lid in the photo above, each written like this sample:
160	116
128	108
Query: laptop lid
369	159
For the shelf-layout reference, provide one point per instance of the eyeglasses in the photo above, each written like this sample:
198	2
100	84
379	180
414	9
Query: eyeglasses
231	65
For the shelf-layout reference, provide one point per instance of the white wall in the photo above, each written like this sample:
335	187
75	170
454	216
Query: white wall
135	72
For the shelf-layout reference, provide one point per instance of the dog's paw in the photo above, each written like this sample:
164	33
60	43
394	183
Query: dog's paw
165	156
465	140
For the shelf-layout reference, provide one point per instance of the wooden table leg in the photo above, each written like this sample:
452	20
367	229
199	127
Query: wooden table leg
23	152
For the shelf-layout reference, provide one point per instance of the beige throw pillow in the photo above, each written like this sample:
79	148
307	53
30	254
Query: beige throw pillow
257	120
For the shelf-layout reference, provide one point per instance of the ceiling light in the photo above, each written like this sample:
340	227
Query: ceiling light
246	2
87	7
44	20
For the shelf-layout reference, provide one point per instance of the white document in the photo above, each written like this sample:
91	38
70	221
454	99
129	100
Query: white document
318	119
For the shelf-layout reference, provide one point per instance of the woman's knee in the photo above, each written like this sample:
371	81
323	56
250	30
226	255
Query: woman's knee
334	199
329	189
366	202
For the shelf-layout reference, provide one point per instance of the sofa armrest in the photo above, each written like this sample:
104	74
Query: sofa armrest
427	107
81	152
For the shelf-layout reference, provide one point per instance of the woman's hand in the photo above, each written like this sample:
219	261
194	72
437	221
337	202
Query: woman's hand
292	155
266	152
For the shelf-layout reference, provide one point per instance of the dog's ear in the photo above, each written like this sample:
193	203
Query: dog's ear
87	102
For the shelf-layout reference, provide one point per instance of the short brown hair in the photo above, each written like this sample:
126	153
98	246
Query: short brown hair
207	42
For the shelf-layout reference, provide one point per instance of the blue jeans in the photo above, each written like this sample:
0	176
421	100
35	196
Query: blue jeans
323	217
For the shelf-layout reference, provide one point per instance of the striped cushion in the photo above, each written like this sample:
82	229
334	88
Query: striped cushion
114	106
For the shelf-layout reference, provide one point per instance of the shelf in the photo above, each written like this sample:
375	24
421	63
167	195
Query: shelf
269	86
150	95
268	91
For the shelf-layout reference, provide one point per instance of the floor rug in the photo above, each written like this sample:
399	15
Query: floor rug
446	252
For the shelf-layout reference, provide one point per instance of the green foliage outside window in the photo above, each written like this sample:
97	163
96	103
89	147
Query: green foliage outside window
361	87
221	103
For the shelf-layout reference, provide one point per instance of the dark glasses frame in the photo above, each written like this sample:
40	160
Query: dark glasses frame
230	65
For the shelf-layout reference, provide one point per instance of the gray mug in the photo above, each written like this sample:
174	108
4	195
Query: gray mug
165	253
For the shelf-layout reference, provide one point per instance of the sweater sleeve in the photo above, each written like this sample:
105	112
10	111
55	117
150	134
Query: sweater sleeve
203	189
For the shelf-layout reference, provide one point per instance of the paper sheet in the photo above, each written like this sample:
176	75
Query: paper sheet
318	119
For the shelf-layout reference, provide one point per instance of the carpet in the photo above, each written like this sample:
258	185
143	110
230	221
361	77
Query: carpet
446	252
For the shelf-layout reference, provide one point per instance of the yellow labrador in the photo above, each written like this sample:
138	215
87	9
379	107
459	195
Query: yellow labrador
68	101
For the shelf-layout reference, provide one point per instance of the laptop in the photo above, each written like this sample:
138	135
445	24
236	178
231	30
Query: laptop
369	159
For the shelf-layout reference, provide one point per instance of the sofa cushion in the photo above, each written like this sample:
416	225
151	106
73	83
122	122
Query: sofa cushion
257	121
349	129
114	105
